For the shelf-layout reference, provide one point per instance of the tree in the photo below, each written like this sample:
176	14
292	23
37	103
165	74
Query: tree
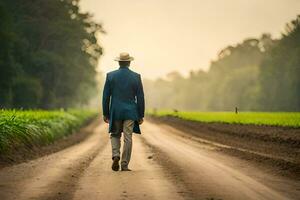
7	65
280	72
54	47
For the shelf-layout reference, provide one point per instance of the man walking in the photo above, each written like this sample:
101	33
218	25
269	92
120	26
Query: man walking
123	108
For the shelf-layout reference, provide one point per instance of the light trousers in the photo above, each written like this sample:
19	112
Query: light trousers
119	126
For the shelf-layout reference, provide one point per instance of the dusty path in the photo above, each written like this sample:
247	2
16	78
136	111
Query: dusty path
165	166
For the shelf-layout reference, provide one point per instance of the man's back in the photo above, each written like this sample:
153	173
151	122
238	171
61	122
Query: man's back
124	85
123	108
123	96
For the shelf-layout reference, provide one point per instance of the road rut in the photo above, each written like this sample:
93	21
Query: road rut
165	166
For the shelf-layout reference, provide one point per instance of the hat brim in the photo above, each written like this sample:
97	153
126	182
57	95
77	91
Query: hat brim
119	59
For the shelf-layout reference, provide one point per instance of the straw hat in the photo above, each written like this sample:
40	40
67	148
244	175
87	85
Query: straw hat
124	57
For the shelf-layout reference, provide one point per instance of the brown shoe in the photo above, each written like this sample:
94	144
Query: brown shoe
115	165
125	168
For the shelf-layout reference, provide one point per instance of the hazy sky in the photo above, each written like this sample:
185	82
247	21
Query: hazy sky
182	35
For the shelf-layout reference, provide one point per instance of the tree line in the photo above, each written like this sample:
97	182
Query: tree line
256	74
48	54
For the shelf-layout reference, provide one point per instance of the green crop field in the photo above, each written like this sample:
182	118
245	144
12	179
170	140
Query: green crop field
38	127
290	119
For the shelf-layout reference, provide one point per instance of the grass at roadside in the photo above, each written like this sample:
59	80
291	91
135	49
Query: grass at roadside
38	127
287	119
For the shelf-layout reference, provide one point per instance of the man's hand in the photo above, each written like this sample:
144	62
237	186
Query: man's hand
105	119
141	121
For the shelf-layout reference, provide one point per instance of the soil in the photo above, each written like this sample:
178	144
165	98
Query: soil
166	163
26	153
278	147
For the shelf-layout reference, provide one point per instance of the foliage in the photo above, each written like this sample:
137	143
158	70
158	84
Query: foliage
37	127
48	54
280	72
289	119
256	74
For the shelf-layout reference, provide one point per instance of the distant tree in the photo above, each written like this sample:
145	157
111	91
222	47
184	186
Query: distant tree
51	45
27	92
7	66
233	76
256	74
280	72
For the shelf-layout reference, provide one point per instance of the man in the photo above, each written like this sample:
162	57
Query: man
123	108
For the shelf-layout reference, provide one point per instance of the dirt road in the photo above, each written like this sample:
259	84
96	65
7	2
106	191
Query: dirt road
165	165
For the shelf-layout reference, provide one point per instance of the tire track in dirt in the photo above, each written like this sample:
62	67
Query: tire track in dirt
146	180
249	142
204	175
65	187
287	165
172	171
165	165
54	176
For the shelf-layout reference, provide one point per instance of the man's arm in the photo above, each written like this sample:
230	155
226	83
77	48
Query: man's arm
140	99
106	99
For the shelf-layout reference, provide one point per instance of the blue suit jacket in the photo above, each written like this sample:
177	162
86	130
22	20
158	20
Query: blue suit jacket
123	97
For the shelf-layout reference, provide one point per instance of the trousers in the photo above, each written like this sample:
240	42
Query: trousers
119	127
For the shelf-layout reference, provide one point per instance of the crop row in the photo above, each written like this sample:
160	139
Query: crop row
287	119
38	127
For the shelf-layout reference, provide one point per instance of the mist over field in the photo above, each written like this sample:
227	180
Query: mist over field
56	61
255	74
